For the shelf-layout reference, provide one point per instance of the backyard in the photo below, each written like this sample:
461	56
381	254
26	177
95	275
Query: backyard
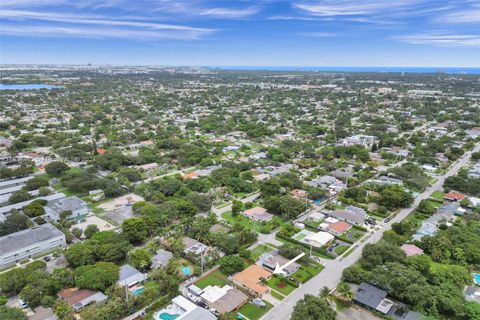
215	278
265	227
253	312
258	251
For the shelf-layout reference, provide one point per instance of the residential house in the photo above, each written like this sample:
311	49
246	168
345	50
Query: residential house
251	280
360	139
183	309
318	239
454	196
349	214
129	276
316	216
298	193
30	243
80	298
338	228
270	260
374	298
474	172
193	246
388	180
258	214
411	250
161	259
223	299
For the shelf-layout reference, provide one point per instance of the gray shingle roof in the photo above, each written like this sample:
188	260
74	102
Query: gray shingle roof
21	239
369	295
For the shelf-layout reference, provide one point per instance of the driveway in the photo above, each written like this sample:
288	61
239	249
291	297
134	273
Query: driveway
332	274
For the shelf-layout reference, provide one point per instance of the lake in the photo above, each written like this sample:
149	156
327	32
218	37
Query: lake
30	86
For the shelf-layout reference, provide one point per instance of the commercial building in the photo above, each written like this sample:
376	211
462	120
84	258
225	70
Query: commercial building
26	244
76	208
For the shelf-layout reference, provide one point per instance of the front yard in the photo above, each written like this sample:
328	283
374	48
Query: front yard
281	285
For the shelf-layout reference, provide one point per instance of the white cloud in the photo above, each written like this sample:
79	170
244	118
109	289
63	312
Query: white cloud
467	16
95	20
350	8
229	12
198	8
99	33
318	34
443	40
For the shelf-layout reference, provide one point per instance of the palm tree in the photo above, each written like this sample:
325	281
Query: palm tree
325	293
344	291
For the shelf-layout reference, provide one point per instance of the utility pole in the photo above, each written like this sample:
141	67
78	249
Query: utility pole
201	260
126	293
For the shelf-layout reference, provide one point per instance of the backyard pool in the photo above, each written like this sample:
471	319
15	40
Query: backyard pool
186	270
476	278
167	316
138	291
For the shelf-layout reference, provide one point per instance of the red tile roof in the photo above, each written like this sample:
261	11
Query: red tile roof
456	196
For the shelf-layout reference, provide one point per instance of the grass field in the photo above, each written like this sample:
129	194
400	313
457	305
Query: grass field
437	195
341	249
258	251
215	278
280	285
277	295
247	223
253	312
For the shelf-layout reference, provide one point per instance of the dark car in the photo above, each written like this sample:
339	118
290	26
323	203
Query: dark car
47	258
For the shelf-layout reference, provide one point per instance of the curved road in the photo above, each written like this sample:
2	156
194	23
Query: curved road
332	273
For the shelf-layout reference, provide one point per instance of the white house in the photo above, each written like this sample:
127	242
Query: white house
318	239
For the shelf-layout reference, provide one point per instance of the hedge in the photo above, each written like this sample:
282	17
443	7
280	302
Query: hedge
360	228
345	239
319	250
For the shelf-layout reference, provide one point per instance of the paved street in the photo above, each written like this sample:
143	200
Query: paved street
332	274
219	211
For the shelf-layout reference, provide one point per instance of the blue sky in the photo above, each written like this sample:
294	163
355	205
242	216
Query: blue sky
430	33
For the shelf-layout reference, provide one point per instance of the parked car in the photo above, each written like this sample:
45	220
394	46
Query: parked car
22	304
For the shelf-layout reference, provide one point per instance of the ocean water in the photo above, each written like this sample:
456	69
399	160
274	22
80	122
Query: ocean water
32	86
355	69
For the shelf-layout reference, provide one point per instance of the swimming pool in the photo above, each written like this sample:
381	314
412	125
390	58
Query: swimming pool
186	270
138	291
167	316
476	278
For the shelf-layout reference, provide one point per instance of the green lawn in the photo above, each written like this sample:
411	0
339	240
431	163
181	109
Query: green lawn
306	272
355	234
437	195
284	288
258	251
314	268
341	249
301	275
276	295
247	223
253	312
215	278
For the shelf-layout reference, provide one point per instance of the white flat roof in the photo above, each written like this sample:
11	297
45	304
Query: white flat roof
213	293
320	237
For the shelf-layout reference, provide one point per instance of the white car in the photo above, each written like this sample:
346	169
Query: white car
22	304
